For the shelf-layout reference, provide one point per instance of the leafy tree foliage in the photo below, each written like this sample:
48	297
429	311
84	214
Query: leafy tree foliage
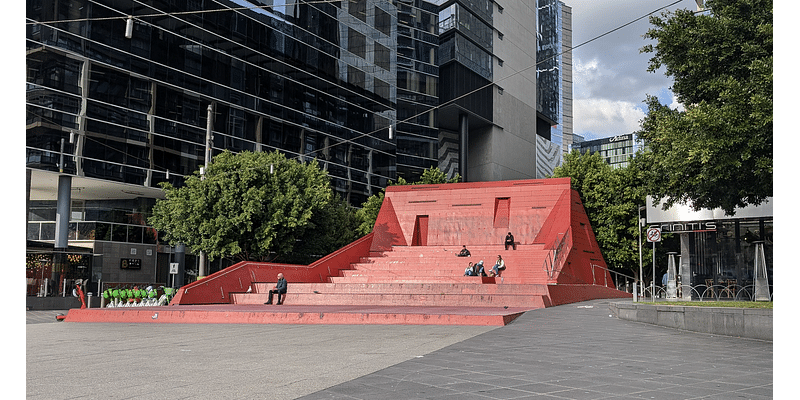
241	210
611	198
718	152
331	227
368	213
369	210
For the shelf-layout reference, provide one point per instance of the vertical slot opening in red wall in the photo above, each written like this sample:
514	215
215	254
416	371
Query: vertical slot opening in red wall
420	237
502	210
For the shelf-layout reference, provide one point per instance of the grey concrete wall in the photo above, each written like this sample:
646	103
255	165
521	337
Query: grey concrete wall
739	322
505	150
517	50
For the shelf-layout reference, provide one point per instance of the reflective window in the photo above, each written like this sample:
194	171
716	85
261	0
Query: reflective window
383	57
356	43
358	9
383	21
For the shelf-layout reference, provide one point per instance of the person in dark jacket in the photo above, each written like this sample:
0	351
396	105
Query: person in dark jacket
510	241
280	288
464	252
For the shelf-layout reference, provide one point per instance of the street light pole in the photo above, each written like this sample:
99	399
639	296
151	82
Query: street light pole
203	267
639	228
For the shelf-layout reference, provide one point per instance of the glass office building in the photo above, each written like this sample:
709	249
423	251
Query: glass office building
417	87
615	150
125	103
554	68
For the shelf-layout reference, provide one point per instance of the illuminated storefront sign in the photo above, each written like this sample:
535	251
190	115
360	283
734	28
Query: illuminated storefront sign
684	227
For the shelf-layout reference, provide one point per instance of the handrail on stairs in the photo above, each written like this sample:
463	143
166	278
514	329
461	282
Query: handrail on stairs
558	254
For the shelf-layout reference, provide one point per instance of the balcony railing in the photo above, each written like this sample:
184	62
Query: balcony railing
94	230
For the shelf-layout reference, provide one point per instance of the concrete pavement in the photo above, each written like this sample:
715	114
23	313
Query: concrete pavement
574	351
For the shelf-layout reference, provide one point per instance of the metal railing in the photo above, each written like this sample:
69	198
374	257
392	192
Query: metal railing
605	277
558	254
708	293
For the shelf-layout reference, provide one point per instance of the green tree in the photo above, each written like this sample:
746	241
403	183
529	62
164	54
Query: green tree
369	210
718	152
331	227
611	198
368	213
241	209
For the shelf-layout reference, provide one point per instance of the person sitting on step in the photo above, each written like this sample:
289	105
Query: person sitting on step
498	267
479	268
510	241
280	288
470	271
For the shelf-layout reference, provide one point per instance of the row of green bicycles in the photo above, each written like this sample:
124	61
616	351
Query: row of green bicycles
135	297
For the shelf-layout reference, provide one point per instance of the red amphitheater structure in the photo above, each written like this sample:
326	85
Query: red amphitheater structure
407	272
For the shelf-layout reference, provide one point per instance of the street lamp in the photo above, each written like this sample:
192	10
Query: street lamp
639	228
202	270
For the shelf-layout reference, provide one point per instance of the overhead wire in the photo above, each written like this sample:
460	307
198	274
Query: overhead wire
371	133
177	13
531	66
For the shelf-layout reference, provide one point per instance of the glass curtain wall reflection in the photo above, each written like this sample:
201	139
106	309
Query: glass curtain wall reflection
313	80
309	79
549	60
417	87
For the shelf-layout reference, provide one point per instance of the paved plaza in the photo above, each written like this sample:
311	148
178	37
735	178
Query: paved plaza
574	351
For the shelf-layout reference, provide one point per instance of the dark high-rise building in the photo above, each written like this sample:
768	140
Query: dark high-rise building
417	87
499	89
117	104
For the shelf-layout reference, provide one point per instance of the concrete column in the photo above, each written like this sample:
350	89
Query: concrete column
686	268
62	229
63	211
28	173
180	258
463	162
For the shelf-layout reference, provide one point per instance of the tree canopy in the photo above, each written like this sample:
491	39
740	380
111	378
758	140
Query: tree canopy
718	151
611	198
249	206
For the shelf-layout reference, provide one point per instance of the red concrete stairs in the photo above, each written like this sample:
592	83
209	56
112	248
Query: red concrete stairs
427	279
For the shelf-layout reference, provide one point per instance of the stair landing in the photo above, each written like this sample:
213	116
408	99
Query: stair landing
301	314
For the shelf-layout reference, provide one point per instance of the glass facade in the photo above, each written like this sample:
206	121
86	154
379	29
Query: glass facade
549	59
472	46
417	87
312	80
300	78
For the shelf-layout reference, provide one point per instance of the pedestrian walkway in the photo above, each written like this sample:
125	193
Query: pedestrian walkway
574	351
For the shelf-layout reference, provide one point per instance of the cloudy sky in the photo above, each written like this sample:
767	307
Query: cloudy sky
610	78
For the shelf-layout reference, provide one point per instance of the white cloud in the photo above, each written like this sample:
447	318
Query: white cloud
610	77
598	118
675	104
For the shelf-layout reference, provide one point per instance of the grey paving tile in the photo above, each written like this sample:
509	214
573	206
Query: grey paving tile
663	395
562	352
470	387
504	393
616	389
541	388
736	396
765	390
